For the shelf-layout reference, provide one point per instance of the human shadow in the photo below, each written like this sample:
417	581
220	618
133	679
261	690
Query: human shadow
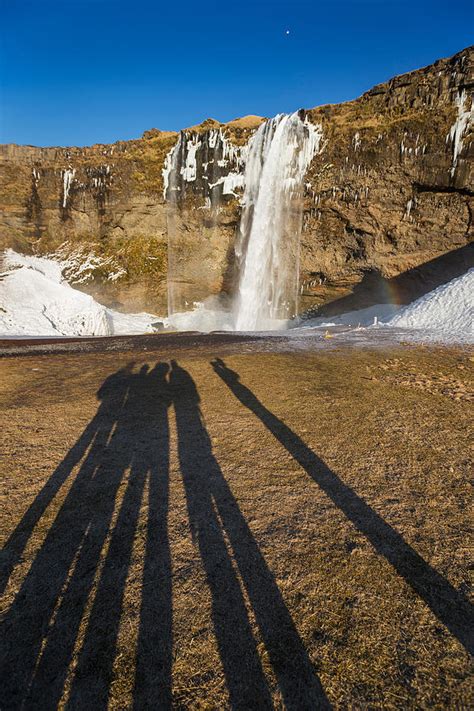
148	439
43	623
111	395
214	515
449	605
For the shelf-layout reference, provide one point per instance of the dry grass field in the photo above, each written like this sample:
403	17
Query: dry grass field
247	530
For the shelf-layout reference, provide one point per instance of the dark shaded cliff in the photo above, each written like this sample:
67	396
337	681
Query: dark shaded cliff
387	206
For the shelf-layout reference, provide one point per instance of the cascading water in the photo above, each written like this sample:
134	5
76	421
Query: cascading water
270	168
267	248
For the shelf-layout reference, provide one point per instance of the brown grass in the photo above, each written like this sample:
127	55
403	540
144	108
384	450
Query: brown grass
308	539
250	121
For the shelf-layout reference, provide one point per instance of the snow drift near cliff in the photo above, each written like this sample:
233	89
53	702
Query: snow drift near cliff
449	308
444	314
36	301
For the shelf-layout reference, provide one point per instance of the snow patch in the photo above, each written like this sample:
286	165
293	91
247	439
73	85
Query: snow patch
362	317
36	301
445	314
449	308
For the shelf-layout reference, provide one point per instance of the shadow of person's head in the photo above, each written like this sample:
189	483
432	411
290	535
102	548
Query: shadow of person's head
117	383
223	370
160	371
143	370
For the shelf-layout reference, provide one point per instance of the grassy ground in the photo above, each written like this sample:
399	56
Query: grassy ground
261	531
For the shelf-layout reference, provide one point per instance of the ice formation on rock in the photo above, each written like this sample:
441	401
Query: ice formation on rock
459	128
267	175
208	159
68	177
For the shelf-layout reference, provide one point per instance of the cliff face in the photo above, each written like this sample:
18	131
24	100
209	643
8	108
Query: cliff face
387	204
394	189
105	198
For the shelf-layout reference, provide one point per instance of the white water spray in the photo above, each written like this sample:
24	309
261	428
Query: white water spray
267	248
271	169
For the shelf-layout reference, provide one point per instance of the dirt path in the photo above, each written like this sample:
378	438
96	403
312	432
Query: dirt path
246	530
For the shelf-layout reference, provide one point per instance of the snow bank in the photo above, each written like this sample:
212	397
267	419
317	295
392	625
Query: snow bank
36	301
445	314
362	317
50	268
449	308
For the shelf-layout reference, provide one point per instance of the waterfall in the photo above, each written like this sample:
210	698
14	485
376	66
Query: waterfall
270	169
267	247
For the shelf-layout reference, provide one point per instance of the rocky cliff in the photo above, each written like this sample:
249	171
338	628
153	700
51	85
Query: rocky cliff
387	205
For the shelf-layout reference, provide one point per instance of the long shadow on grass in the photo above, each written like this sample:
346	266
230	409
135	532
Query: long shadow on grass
43	622
214	515
111	394
449	605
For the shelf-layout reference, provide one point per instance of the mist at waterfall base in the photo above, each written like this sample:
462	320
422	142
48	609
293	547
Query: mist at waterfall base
267	243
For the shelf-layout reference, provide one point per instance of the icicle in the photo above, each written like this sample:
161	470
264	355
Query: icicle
463	121
68	177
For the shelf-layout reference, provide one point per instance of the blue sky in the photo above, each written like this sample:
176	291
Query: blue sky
76	72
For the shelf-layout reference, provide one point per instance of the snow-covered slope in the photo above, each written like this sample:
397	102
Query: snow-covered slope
36	301
449	308
444	314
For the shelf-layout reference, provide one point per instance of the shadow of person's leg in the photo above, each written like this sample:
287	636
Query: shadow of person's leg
152	688
40	598
93	673
95	501
112	393
244	675
448	604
